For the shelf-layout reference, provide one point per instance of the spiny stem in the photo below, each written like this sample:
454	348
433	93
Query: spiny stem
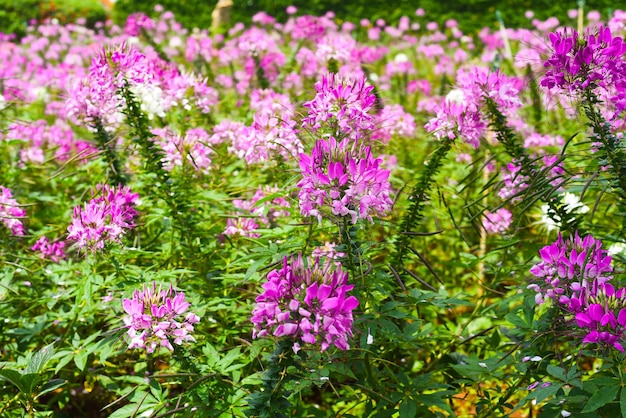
418	198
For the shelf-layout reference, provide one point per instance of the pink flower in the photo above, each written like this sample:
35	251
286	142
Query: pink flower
103	219
156	318
54	250
497	222
344	180
10	212
341	107
460	113
306	302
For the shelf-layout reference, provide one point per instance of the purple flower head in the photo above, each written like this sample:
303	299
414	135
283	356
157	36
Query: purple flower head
341	107
105	218
593	62
570	270
52	250
602	317
10	212
459	115
156	318
342	179
307	302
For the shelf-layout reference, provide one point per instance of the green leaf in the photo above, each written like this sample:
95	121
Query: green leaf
408	408
622	402
14	377
600	398
50	386
39	359
30	382
557	372
80	359
106	347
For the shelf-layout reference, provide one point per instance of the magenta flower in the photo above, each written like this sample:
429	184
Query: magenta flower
460	116
52	250
593	62
306	302
603	317
341	107
156	318
106	218
10	212
340	179
575	275
570	266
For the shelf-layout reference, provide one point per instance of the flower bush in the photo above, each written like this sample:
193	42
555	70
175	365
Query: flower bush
313	217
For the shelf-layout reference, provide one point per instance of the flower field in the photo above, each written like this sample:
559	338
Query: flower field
313	218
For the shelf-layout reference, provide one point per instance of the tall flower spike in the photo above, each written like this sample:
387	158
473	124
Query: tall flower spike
306	302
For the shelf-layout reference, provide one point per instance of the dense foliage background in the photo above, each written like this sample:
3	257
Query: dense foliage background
310	218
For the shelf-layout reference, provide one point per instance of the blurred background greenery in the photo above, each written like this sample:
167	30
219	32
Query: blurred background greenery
472	15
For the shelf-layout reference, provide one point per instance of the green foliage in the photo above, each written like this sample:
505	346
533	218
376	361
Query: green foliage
15	16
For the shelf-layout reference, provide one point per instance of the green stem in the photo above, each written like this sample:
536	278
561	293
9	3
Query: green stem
418	198
107	146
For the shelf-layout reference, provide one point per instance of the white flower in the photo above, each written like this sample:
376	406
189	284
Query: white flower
573	204
401	58
151	98
565	413
455	96
370	339
483	365
617	248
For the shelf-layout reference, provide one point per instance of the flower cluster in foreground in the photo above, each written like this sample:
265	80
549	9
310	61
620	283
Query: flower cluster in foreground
307	302
575	274
156	318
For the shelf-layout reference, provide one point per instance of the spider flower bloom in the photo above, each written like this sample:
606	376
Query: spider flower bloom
104	218
10	212
344	180
156	318
52	250
460	116
308	303
603	317
580	62
571	269
341	107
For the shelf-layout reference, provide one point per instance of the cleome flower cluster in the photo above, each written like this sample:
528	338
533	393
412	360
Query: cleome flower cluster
156	318
10	212
575	274
307	302
105	218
